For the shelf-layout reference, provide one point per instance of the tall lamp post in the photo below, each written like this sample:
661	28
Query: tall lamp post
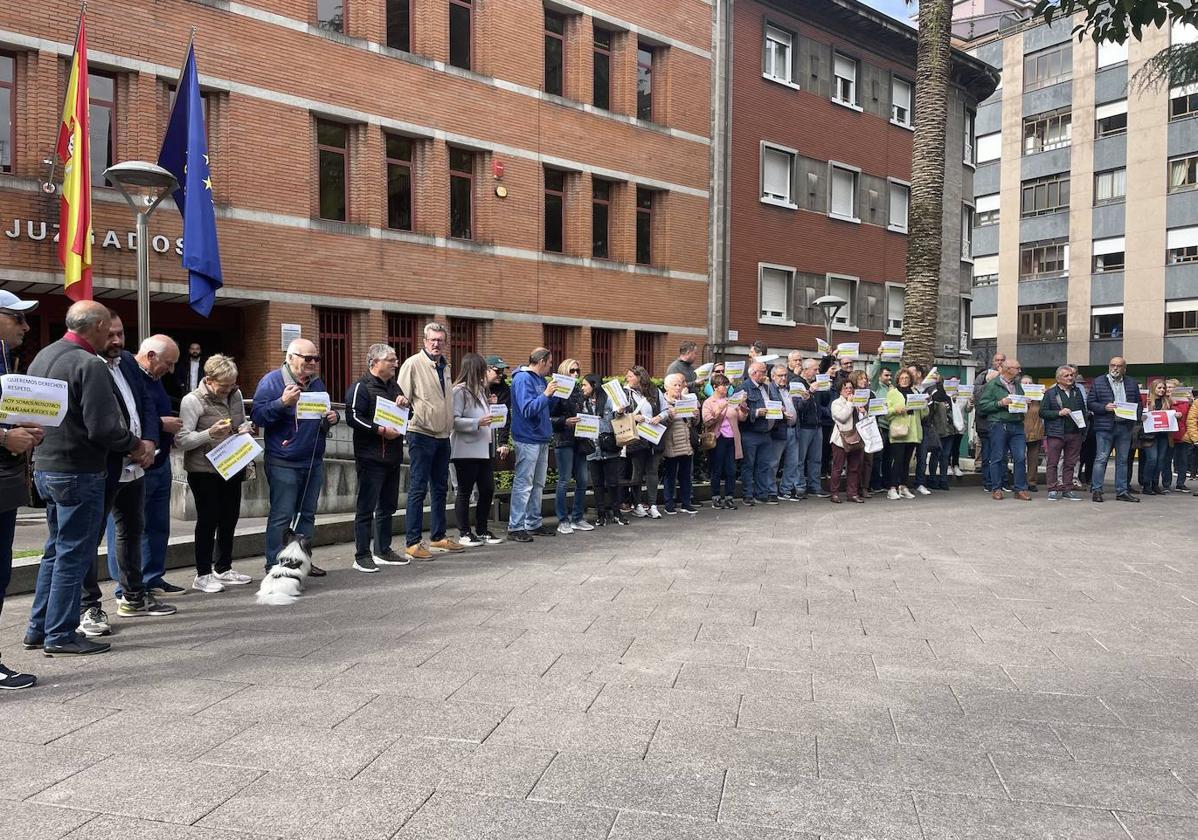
144	185
830	305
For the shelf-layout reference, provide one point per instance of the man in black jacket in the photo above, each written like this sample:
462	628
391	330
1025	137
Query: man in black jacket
71	473
378	457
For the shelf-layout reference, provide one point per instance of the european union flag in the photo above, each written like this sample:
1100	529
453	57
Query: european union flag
185	155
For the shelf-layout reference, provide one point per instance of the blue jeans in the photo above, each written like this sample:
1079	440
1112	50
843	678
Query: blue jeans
1177	461
792	479
528	485
1155	452
723	467
74	518
287	483
1120	438
777	450
1004	437
679	472
428	466
571	464
754	469
811	453
157	530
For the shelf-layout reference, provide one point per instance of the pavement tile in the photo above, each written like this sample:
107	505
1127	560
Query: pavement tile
164	696
713	707
817	662
460	816
520	690
798	803
105	827
698	653
290	804
413	716
745	680
908	767
417	761
723	747
1163	748
603	668
397	652
492	660
133	785
180	736
315	707
950	817
895	694
605	781
288	645
1024	705
31	821
1149	715
1021	737
36	722
429	683
784	715
1158	826
1176	690
560	730
1060	680
636	825
26	769
1096	785
953	672
341	753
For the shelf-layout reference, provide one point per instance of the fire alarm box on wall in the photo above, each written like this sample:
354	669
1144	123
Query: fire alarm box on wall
497	168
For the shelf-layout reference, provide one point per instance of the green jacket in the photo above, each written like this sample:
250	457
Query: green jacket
989	402
894	401
881	392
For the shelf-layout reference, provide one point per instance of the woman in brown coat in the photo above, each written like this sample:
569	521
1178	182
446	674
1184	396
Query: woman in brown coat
1033	430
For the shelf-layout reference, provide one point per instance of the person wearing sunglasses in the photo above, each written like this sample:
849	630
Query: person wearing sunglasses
570	453
294	459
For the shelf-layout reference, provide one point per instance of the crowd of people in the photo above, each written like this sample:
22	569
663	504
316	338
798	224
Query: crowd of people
788	429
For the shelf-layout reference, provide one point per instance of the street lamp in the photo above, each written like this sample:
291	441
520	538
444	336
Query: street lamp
830	305
143	185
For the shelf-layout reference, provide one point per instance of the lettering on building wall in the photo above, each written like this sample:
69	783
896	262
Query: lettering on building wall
37	231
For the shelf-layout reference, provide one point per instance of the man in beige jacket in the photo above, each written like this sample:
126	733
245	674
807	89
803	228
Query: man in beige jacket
425	379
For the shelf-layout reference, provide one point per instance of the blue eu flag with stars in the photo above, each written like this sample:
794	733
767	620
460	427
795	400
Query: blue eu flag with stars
185	155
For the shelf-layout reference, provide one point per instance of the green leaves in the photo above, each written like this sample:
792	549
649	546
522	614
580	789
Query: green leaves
1117	20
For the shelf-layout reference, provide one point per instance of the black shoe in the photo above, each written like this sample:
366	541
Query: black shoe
1034	489
32	642
164	588
600	520
747	502
1148	491
670	511
14	681
544	531
691	509
820	494
1126	497
1181	488
1096	496
317	571
365	564
519	536
80	647
729	504
771	500
619	518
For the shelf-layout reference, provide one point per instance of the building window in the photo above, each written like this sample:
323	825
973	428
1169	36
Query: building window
777	175
966	321
8	98
844	81
985	270
1047	258
1045	322
335	340
844	194
1109	254
900	206
644	226
1047	131
645	350
1182	244
970	134
966	232
102	132
461	194
989	147
1183	173
463	338
644	81
986	210
330	15
773	294
1049	194
900	102
1110	186
1048	67
553	337
555	210
601	70
1183	102
895	300
399	181
403	334
777	54
1106	322
1181	317
332	146
602	342
461	25
1110	119
399	25
846	289
985	327
1111	53
555	52
601	219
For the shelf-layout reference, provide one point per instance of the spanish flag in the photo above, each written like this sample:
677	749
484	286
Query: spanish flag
74	150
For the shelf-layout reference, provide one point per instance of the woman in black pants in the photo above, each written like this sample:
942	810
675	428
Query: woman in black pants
604	460
470	451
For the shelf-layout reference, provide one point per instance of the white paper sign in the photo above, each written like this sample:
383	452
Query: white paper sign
951	387
651	432
736	399
797	386
1018	404
734	371
890	351
1183	392
233	454
916	400
862	397
823	382
1160	421
615	393
313	405
847	350
290	333
1079	418
1033	391
1126	410
388	415
563	385
587	427
822	347
642	406
768	359
703	371
964	390
878	408
32	399
773	410
686	406
498	415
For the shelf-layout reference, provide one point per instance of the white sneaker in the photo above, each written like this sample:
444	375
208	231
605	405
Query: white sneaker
905	493
957	472
565	527
207	583
233	577
654	513
893	495
640	511
923	491
583	525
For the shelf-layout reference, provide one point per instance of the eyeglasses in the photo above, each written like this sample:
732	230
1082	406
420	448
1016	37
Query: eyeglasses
308	359
19	317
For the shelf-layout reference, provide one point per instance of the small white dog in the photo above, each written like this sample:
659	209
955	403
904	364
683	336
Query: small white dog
285	580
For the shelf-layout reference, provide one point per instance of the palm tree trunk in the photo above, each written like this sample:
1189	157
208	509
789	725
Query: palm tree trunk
925	243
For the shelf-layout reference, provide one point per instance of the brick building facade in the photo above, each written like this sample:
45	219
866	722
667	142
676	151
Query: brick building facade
387	162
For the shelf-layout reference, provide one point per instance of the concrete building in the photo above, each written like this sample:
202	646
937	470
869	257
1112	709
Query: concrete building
535	173
1085	209
821	107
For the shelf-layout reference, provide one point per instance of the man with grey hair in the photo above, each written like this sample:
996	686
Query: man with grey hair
378	459
1063	410
425	380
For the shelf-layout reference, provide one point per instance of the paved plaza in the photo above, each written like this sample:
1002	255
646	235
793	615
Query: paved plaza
942	668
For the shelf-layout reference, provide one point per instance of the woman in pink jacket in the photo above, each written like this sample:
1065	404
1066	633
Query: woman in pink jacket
724	420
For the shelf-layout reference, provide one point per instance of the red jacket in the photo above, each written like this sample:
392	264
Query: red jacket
1182	407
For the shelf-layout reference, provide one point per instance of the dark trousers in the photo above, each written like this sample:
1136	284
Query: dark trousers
678	474
900	463
826	452
378	497
218	507
723	467
1069	448
126	503
8	532
1177	461
605	481
842	460
881	465
955	451
1085	463
644	471
474	472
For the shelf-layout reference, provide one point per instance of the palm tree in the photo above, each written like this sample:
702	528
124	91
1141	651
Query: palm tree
925	242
